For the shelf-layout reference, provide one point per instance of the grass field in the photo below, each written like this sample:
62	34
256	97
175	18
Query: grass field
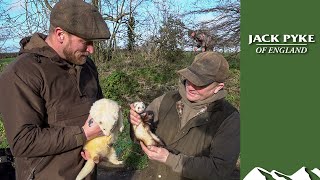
133	77
4	63
6	60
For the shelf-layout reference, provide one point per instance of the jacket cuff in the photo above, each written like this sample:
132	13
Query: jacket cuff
79	136
175	162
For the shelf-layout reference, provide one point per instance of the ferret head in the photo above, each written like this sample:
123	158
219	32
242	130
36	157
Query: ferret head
139	107
107	114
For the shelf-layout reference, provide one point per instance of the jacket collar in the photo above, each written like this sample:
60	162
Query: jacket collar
36	44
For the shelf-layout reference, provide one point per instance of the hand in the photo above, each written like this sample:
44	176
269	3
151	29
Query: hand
91	129
155	153
135	118
85	155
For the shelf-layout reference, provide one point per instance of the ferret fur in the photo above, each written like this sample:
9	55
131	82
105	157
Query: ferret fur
142	131
107	114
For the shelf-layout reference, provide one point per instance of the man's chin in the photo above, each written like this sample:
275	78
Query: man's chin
192	97
81	61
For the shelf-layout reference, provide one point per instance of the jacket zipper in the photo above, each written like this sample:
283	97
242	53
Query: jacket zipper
33	170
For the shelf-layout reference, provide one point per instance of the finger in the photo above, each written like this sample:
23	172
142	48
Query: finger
133	120
134	114
83	155
144	148
142	145
154	149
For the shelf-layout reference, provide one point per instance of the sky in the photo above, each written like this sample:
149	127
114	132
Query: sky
16	7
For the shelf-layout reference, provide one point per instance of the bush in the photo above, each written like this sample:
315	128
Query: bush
233	88
119	86
233	60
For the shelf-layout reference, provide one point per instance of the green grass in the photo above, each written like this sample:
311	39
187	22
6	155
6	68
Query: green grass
4	63
6	60
3	139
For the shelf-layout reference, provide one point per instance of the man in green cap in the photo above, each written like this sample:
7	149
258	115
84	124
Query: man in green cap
47	92
199	128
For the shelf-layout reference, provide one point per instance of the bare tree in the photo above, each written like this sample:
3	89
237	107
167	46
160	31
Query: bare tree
25	17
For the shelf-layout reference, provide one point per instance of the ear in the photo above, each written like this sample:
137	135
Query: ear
59	34
96	159
218	88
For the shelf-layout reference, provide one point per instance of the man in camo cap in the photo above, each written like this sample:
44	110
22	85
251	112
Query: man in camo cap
48	91
200	129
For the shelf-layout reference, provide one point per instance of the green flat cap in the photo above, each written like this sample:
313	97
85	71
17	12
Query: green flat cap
207	67
80	19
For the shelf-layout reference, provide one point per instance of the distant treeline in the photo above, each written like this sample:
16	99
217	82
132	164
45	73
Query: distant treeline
8	55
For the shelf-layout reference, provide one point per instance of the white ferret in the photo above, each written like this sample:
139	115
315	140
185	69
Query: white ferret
107	114
142	131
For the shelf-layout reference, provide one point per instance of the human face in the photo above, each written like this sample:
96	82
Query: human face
77	49
198	93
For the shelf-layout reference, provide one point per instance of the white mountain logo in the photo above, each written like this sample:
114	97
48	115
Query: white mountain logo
301	174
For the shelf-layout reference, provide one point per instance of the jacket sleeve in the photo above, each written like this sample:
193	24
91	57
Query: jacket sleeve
24	115
224	152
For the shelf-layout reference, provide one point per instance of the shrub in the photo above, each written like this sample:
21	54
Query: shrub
233	60
119	86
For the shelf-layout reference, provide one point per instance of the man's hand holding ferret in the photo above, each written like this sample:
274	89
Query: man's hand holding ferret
135	118
91	129
155	153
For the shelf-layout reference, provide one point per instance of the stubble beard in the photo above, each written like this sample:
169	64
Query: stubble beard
75	58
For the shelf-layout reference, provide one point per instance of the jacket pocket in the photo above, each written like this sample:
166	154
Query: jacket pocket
75	115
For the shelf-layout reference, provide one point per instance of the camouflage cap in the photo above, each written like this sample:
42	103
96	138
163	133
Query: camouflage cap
207	67
80	19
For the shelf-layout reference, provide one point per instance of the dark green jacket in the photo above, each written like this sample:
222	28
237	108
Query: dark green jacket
208	144
44	103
